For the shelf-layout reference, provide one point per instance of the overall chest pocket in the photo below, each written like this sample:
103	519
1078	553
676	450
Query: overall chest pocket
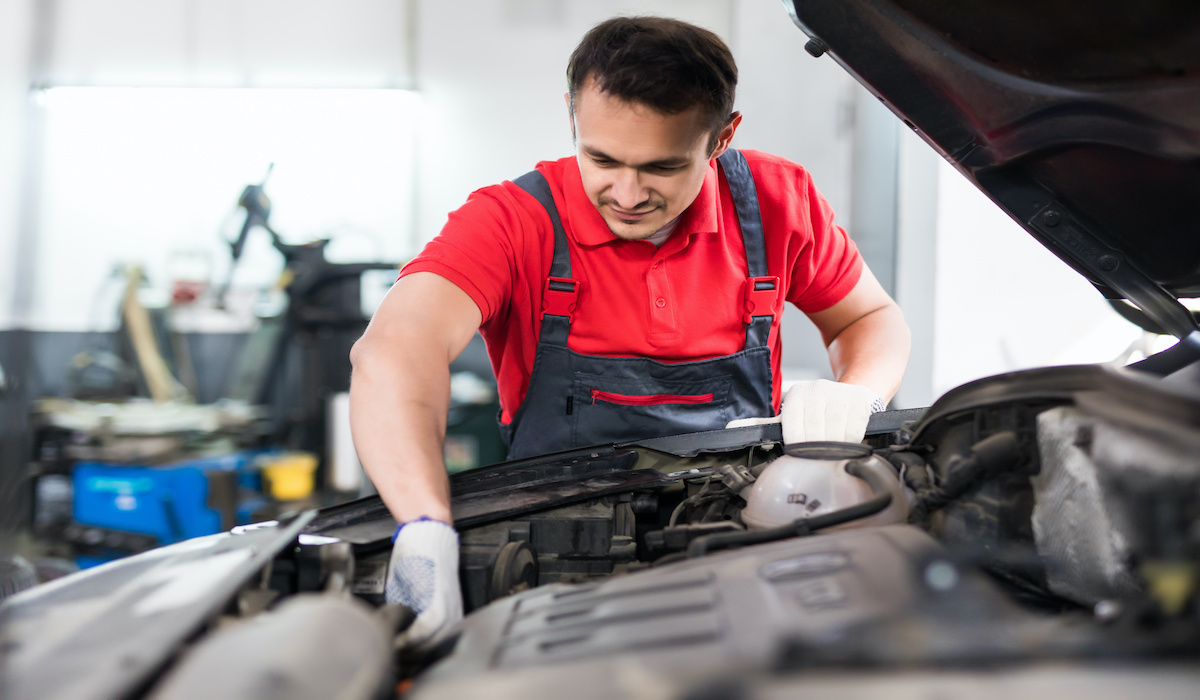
606	409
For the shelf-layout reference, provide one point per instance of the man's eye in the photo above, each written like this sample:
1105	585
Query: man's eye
665	169
602	162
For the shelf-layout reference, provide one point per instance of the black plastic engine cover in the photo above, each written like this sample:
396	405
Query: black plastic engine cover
744	611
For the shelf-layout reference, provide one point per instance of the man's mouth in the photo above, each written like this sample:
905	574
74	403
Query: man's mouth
630	216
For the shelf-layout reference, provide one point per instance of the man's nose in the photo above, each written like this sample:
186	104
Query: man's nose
627	190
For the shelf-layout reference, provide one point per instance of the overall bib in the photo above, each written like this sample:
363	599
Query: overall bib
577	400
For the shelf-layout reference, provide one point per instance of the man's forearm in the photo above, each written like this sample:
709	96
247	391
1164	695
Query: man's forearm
400	391
873	351
398	403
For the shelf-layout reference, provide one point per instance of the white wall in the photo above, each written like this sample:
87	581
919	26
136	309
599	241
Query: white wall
916	263
491	78
794	105
1005	302
801	108
982	295
152	177
493	75
231	43
15	35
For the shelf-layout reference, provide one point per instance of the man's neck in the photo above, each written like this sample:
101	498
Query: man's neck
660	236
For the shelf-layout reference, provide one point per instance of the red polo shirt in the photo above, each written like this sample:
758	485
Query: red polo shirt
677	303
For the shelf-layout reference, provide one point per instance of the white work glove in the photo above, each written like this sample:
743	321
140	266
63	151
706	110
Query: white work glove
423	575
822	410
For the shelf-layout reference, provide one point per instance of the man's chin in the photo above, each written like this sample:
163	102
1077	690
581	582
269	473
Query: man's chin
631	231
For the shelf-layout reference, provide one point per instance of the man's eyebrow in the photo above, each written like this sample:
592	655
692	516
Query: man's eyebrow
663	163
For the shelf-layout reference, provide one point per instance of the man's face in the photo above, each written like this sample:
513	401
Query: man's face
640	168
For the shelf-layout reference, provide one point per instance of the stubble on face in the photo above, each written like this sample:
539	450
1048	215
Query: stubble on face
641	168
628	223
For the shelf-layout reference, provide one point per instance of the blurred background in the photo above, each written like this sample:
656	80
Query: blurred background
136	139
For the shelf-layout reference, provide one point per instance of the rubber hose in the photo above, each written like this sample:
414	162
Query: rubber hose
804	526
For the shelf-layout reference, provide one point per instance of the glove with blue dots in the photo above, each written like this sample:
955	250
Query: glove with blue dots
423	575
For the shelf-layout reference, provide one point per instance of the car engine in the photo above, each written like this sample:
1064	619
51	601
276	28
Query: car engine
1042	524
1028	520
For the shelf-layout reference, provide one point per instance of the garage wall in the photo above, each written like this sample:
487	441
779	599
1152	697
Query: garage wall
915	263
1005	302
151	176
16	21
492	75
15	34
490	78
231	43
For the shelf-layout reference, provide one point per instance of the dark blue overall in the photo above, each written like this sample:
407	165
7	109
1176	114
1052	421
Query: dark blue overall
577	400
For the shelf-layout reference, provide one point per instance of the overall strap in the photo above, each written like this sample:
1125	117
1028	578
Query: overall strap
561	293
761	291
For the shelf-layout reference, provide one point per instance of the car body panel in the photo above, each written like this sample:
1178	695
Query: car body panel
103	632
1080	120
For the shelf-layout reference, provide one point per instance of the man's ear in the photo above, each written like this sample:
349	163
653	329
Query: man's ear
570	113
725	137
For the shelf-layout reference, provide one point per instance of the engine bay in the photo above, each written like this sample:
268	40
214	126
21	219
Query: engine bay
1047	516
1042	525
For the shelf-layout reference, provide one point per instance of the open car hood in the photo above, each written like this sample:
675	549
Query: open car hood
1081	120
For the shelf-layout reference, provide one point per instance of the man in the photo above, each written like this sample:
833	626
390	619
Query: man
631	291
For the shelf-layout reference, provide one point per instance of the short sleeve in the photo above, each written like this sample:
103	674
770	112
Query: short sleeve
827	265
476	250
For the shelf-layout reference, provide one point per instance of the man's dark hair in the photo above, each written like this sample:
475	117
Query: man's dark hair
665	64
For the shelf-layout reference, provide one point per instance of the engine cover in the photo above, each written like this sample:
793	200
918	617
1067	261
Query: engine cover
745	611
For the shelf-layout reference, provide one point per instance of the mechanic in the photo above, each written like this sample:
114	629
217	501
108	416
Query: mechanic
630	291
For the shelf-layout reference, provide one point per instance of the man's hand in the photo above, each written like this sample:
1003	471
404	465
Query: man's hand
825	410
822	410
423	576
868	344
399	397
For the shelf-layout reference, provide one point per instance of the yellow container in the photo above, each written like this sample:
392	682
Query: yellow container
289	477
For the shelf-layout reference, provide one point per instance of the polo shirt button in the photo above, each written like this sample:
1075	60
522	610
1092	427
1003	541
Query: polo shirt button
660	303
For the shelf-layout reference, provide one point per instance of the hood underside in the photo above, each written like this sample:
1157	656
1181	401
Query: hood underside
1080	119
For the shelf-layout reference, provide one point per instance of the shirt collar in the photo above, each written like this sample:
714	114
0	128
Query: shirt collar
587	227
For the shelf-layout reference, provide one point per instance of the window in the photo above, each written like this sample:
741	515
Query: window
147	175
